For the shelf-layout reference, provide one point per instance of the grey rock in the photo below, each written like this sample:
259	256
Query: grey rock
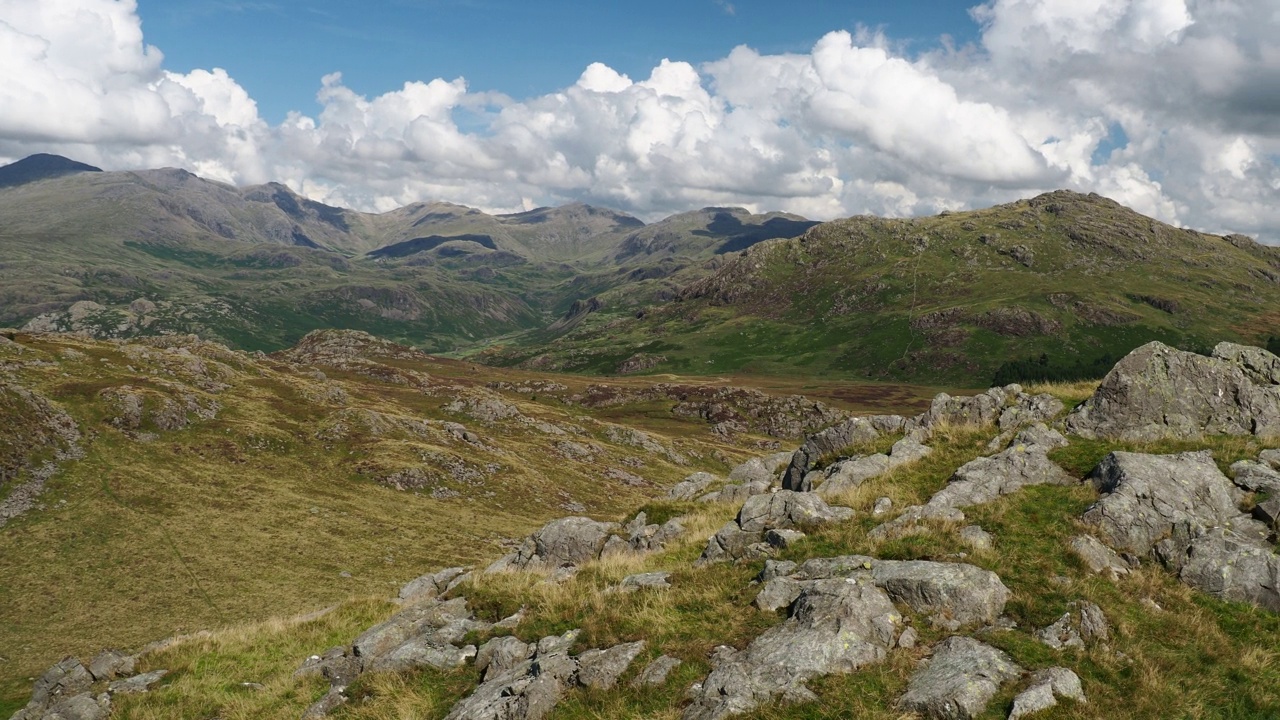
1045	689
761	469
959	681
950	594
412	622
692	486
650	580
563	542
1230	567
982	480
426	651
1255	476
78	707
783	539
730	542
776	568
500	654
908	450
908	639
527	690
1147	495
882	506
433	585
332	700
836	626
1061	634
1093	623
68	677
911	517
1267	512
1157	392
1270	458
136	684
1099	558
827	442
1083	624
656	672
849	474
602	668
778	593
111	664
1040	435
788	510
977	538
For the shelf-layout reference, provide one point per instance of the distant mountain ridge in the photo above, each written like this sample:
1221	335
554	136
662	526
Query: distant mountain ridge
260	266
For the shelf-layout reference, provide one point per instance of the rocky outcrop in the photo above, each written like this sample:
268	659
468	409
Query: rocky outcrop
692	486
1083	624
1045	689
1183	512
761	469
568	542
1157	392
433	585
66	691
526	681
785	510
1025	462
959	680
833	440
848	474
950	595
1099	558
835	626
35	435
1146	496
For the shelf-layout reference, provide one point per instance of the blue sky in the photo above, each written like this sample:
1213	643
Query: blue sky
278	50
824	109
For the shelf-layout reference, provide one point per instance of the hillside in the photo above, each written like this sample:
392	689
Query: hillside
1063	284
165	251
166	485
1023	552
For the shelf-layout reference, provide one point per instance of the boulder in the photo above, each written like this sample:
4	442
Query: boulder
908	450
111	664
1045	689
1099	558
526	690
980	410
65	679
692	486
743	538
1270	458
601	668
827	442
959	680
949	594
1157	392
650	580
983	480
1255	476
788	510
835	626
1147	495
500	654
433	585
761	469
848	474
882	506
84	706
560	543
911	517
977	538
137	684
656	672
1083	624
1231	567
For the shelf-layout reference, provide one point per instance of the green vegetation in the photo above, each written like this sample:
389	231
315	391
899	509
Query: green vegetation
1152	666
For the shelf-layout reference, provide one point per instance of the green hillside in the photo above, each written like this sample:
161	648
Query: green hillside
1055	287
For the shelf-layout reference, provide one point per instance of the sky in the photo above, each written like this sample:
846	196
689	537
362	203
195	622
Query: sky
826	109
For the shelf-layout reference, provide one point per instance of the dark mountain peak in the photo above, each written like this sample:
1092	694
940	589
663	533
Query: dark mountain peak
41	166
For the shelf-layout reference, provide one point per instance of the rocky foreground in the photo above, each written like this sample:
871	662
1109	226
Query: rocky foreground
1212	530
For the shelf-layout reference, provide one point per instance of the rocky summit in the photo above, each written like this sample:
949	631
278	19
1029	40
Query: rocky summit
1020	552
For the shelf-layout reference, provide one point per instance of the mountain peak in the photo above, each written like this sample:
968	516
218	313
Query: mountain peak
41	166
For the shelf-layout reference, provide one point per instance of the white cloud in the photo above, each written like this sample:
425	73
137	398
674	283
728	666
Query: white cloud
1167	105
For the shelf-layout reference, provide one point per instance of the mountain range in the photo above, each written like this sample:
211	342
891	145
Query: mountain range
1055	286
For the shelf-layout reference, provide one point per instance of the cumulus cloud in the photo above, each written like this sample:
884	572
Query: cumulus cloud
1170	106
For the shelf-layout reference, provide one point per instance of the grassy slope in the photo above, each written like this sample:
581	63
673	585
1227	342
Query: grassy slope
946	298
1199	657
251	515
